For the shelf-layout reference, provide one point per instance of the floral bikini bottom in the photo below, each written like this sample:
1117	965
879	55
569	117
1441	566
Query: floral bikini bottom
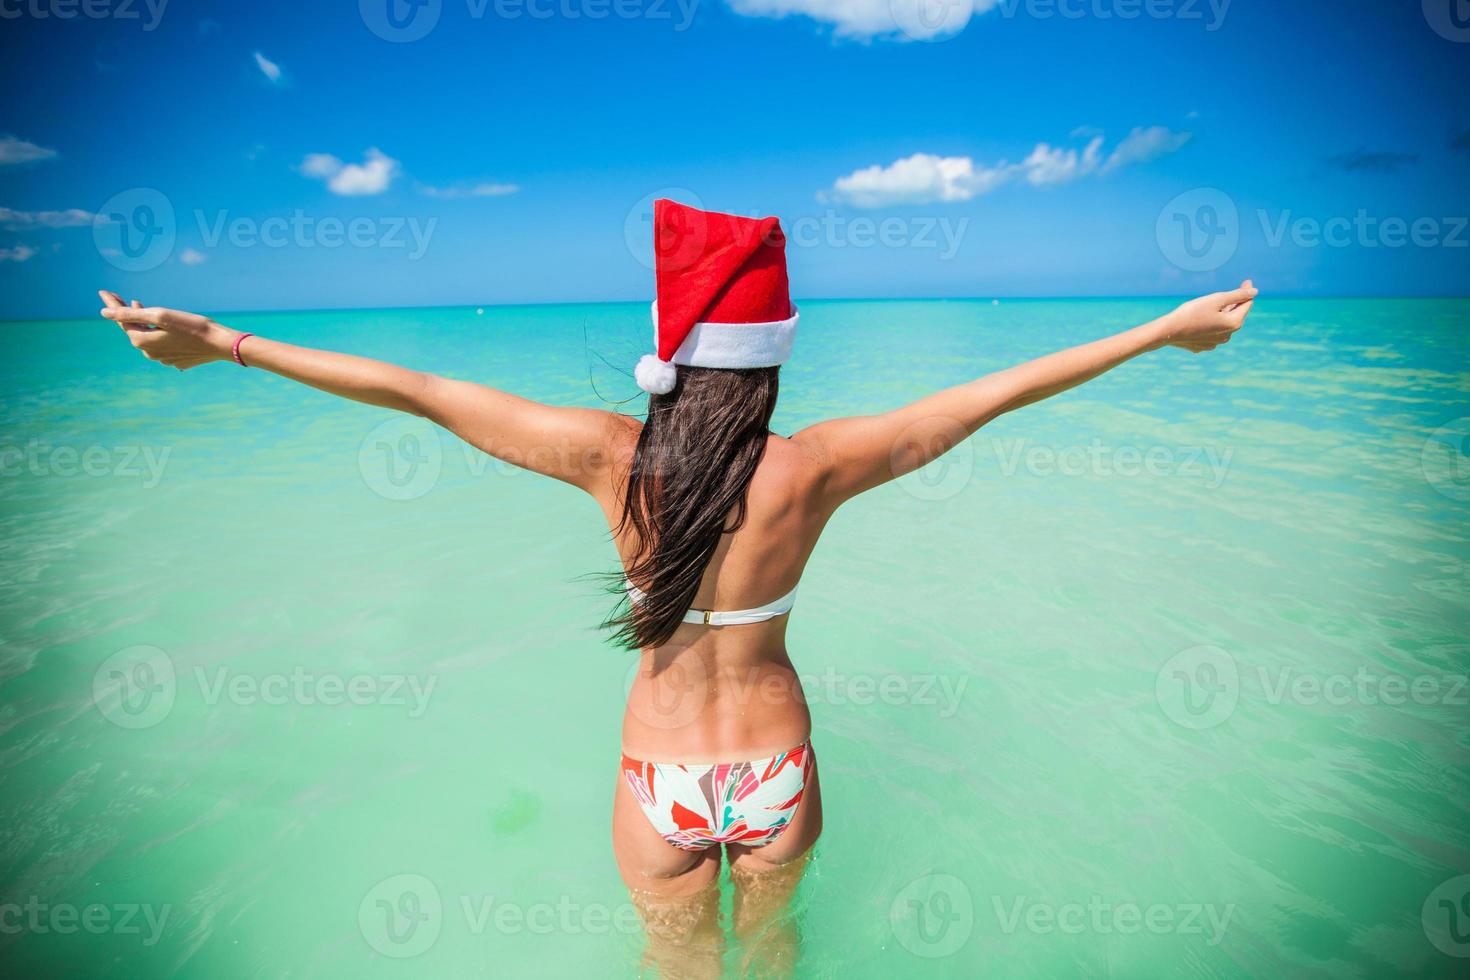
699	806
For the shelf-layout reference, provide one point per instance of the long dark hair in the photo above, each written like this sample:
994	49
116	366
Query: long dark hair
695	458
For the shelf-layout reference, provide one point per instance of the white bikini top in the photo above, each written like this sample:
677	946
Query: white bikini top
738	617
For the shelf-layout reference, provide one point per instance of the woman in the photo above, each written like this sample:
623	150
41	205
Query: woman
714	517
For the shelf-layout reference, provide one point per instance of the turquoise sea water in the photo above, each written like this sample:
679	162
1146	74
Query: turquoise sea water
1164	677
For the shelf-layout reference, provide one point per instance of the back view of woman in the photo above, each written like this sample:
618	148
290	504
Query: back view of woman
714	517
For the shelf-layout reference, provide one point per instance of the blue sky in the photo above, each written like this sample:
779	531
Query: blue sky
1009	148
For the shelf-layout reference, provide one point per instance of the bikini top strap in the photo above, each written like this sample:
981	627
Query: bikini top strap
737	617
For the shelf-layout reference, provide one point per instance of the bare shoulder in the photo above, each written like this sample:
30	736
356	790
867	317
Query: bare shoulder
620	439
792	450
790	464
622	428
810	442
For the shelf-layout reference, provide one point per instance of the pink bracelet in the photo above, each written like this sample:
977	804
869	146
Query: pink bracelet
238	341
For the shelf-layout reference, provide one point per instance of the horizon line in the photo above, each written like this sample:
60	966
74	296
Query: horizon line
821	299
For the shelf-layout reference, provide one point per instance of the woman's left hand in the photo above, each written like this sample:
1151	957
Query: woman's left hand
173	337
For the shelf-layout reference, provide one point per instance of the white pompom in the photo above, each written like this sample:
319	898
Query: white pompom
654	376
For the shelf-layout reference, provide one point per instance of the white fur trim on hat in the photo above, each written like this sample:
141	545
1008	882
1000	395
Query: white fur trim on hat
735	345
654	376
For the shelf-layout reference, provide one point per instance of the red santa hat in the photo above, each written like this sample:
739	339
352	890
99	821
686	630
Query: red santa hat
723	299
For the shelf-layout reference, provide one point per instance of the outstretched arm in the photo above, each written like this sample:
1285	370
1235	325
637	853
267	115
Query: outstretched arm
860	453
570	444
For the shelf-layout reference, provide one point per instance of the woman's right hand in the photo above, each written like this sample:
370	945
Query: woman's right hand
1206	323
172	337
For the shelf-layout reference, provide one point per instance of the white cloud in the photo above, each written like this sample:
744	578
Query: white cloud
29	220
372	176
1144	145
192	256
918	20
268	68
927	179
920	179
1054	165
14	150
19	253
477	190
321	165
